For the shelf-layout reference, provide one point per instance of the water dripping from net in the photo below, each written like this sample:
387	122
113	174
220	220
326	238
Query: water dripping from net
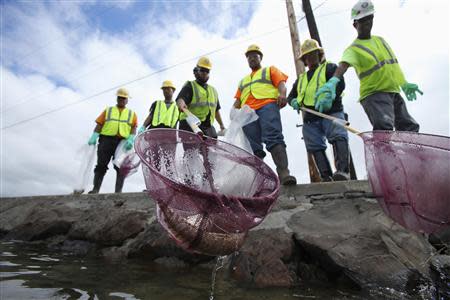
219	265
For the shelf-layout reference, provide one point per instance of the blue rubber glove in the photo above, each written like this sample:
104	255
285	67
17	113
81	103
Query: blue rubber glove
294	104
324	102
93	138
328	88
410	90
141	129
130	142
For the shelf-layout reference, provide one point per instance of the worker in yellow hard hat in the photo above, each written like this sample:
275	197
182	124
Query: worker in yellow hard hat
381	78
114	124
201	99
317	130
264	90
163	113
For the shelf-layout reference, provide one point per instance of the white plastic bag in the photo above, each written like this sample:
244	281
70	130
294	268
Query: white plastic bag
232	178
126	160
239	118
86	156
121	153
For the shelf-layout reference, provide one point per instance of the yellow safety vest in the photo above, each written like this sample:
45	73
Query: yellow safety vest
306	90
117	122
165	116
204	101
381	71
259	85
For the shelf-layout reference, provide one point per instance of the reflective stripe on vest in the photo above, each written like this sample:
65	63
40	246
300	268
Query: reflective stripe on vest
306	92
117	122
204	101
259	85
378	64
165	116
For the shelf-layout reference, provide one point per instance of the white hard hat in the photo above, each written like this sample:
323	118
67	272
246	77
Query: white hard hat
362	8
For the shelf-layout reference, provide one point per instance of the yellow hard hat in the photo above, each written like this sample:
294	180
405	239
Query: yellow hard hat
309	46
122	93
254	48
168	84
204	62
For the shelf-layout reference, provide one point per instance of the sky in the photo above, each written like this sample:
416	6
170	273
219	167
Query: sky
62	61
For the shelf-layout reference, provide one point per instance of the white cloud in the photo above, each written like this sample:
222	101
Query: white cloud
38	157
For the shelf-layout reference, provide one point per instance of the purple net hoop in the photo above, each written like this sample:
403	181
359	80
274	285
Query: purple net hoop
410	176
208	193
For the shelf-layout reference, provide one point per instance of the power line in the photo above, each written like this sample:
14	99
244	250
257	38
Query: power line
151	74
138	79
34	96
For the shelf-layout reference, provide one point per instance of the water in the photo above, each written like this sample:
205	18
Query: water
35	272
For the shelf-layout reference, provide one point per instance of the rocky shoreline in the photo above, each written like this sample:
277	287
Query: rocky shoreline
327	232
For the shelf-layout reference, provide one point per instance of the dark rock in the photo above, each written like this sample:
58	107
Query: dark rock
353	237
261	261
440	274
154	242
170	262
441	240
333	232
111	227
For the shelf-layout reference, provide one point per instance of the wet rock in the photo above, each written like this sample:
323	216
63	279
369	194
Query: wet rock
261	261
170	262
441	241
332	232
352	237
440	274
42	223
112	227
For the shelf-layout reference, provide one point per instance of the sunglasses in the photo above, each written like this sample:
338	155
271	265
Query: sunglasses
203	70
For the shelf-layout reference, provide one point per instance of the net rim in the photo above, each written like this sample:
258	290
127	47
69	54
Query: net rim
395	136
180	186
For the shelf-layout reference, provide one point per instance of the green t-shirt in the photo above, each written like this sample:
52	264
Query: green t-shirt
388	77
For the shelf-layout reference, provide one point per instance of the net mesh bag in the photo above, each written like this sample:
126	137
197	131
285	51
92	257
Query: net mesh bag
208	193
410	176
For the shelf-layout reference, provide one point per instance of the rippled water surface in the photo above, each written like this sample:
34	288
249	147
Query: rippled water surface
33	272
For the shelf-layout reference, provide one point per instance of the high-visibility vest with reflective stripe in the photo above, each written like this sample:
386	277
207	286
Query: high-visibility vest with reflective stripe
259	85
163	115
204	101
117	122
382	72
306	89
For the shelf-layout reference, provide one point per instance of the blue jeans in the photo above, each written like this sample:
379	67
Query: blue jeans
267	129
315	133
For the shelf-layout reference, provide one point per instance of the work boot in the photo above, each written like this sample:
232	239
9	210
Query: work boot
260	153
341	160
280	159
323	164
98	179
120	179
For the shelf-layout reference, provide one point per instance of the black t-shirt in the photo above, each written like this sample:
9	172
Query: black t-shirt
337	103
186	94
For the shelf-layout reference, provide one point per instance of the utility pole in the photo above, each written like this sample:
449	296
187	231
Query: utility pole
314	33
314	175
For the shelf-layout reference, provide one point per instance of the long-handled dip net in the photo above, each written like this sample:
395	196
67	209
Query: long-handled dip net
410	176
208	193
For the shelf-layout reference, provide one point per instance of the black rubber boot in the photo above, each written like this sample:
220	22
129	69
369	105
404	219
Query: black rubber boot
341	160
98	179
120	179
323	164
280	159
